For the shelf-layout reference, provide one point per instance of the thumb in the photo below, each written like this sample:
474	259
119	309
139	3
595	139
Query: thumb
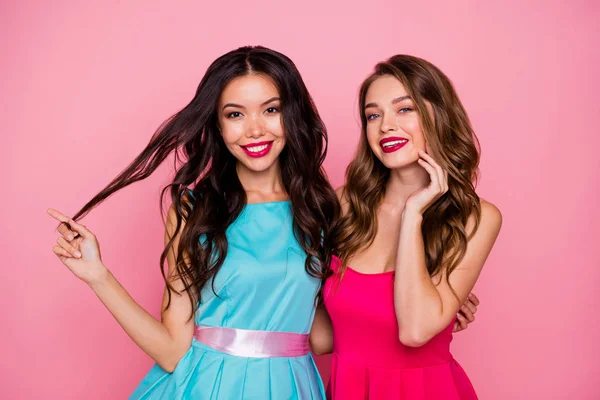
81	229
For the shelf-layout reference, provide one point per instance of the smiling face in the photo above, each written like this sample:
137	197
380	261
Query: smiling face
250	121
393	126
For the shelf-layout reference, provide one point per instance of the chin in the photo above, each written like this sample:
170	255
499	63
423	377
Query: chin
259	165
398	162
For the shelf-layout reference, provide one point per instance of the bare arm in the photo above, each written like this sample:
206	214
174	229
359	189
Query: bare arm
164	341
424	308
321	333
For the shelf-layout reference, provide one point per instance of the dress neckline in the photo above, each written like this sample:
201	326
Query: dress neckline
371	274
268	202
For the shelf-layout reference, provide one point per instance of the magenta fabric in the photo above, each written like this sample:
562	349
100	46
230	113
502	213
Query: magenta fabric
369	362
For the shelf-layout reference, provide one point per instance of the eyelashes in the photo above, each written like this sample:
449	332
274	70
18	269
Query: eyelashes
234	114
403	110
238	114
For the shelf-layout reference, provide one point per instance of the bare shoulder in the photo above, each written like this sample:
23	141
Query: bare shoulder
490	222
172	237
171	229
171	219
490	215
340	192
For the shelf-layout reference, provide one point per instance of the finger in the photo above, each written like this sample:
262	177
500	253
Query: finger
464	310
57	215
474	299
59	251
443	179
470	306
62	242
63	259
428	158
432	161
446	180
433	176
70	222
81	229
439	170
64	230
463	322
431	171
456	327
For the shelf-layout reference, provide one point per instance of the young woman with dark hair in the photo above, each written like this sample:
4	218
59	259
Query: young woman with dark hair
247	241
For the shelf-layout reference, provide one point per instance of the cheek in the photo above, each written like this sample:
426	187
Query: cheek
230	133
373	138
275	127
373	143
413	128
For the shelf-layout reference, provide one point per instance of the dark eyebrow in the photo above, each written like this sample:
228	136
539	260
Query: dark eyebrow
272	99
396	100
232	105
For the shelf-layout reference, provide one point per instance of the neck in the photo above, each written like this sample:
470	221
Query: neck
405	181
267	182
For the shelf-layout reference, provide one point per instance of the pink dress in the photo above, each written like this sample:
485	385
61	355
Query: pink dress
369	362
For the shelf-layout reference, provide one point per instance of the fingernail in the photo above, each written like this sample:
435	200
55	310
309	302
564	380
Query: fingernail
77	254
70	237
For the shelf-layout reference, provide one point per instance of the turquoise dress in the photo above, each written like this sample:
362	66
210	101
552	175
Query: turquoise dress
262	285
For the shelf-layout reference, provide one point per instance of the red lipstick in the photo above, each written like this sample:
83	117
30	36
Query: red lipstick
391	144
259	149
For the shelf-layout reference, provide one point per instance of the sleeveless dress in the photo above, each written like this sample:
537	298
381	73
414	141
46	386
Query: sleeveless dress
262	285
369	362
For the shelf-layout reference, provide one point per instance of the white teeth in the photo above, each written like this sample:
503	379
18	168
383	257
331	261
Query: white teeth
256	149
395	142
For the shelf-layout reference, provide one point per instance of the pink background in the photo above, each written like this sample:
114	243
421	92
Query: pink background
84	84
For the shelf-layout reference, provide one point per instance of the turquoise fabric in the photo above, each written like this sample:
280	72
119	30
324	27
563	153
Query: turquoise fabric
262	285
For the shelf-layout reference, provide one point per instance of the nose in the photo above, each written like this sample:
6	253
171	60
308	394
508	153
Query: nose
256	128
388	123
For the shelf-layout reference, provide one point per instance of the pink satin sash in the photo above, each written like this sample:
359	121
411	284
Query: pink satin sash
248	343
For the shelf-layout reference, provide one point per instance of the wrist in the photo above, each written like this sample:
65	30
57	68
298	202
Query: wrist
100	279
410	214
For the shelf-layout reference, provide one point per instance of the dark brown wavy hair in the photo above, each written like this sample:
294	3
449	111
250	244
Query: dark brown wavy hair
454	146
205	166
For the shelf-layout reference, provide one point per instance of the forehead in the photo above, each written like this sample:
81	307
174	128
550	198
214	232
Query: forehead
385	89
249	88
